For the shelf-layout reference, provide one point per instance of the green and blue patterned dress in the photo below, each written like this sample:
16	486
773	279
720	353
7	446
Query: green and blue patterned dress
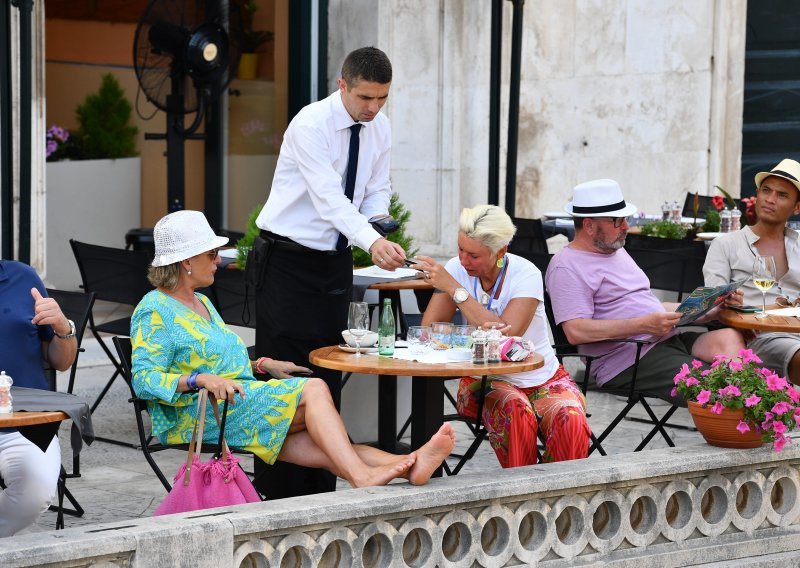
170	340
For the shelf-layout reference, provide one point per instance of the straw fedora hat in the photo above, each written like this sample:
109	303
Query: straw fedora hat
787	169
182	235
599	198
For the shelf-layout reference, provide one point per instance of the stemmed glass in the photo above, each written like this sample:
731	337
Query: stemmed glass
358	323
764	277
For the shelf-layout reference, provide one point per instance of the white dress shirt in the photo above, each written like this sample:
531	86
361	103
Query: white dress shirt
307	202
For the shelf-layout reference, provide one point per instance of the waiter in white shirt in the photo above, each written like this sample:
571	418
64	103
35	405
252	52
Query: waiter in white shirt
321	203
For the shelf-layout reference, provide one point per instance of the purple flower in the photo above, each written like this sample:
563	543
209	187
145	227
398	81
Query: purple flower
742	426
673	392
703	396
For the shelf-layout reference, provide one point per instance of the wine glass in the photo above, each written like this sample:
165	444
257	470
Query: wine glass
764	276
358	323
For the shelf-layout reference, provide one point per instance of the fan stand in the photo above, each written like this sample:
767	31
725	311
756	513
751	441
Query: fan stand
175	136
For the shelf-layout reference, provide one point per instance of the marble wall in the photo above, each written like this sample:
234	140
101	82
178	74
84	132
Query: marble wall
648	93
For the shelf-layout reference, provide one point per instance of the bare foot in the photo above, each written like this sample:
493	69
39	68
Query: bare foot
383	474
431	455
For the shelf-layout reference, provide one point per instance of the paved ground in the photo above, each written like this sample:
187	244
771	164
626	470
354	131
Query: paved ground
118	484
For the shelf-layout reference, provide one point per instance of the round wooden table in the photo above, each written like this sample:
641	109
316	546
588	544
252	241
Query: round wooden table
741	320
19	419
427	386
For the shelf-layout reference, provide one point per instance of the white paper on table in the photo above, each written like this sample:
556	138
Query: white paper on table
789	312
375	272
431	356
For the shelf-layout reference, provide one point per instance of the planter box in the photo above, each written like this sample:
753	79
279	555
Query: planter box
94	201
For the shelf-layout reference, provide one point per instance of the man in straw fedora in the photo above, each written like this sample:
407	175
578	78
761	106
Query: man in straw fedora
731	257
599	293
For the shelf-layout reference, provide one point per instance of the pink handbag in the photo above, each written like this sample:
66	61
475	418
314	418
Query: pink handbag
219	482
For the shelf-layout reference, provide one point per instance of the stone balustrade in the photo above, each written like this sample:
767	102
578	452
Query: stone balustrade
681	506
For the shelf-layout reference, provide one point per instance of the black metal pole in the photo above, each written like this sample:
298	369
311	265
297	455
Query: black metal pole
25	80
513	107
496	58
6	138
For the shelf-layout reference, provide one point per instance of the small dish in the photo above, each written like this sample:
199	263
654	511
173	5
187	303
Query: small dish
708	236
370	339
349	349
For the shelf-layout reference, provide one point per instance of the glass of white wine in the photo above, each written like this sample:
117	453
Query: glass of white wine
764	277
358	323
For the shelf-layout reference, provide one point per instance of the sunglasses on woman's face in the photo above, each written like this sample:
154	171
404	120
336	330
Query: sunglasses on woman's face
213	254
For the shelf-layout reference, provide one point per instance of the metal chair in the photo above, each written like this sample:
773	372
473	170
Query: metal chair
114	275
147	443
529	237
670	264
76	306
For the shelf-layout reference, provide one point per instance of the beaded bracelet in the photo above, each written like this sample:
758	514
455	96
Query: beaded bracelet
191	382
258	365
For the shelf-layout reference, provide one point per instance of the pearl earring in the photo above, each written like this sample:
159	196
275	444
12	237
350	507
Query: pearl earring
189	271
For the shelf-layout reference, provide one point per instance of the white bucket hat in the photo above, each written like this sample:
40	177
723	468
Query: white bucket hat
182	235
787	169
599	198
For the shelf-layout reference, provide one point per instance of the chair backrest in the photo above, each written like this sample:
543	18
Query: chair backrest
529	236
114	275
125	352
669	264
235	304
704	204
76	306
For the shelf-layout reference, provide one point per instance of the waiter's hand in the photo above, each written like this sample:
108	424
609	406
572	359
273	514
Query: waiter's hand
47	312
386	254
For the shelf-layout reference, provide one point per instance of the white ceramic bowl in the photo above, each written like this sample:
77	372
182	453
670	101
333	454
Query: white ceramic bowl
370	339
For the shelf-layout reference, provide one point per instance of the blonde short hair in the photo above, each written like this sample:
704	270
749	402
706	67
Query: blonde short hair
164	276
488	224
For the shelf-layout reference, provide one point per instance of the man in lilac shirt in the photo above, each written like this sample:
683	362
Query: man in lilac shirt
598	293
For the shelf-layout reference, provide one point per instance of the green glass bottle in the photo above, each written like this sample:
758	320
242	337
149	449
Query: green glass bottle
386	329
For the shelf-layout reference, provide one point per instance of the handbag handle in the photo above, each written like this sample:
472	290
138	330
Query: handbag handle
223	450
197	431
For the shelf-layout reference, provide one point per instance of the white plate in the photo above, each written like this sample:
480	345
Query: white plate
708	236
556	215
345	347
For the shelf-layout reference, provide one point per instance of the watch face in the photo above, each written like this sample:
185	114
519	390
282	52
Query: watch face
460	295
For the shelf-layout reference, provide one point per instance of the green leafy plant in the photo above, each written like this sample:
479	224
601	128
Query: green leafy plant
252	39
244	244
771	404
711	224
104	130
399	212
664	229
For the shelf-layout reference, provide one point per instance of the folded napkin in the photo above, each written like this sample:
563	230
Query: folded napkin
788	312
429	357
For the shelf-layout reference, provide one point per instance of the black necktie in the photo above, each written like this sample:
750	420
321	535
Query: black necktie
350	179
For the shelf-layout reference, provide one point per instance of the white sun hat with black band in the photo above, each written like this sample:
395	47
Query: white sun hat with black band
182	235
787	169
599	198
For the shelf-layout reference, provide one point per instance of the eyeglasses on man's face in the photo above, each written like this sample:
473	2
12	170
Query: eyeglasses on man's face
616	220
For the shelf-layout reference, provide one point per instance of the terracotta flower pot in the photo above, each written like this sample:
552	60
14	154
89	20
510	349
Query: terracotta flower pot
720	429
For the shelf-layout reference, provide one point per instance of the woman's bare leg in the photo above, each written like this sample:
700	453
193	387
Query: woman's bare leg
326	429
318	438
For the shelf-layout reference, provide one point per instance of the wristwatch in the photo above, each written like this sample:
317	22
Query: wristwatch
460	295
71	333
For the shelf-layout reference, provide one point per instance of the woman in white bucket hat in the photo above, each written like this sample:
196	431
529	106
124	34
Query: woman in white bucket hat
180	344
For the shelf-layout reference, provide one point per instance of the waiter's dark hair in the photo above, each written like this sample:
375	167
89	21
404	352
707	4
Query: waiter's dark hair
367	64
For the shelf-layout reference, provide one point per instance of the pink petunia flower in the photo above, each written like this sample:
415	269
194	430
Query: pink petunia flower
776	383
730	390
742	426
691	381
673	392
778	427
752	400
703	396
781	407
794	394
696	364
735	365
779	442
717	408
748	356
